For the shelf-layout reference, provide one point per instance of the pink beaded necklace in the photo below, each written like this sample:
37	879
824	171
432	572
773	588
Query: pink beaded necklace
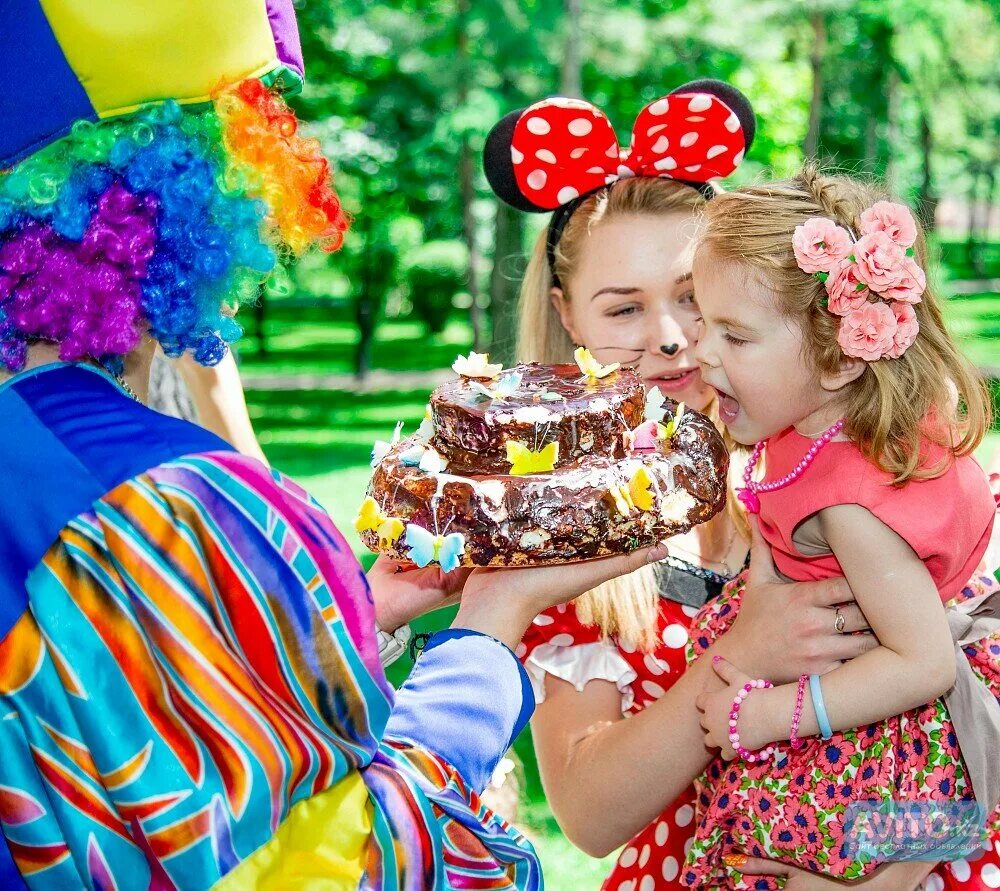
748	494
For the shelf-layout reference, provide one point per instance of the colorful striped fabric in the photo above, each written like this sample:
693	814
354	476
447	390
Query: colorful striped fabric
196	660
95	59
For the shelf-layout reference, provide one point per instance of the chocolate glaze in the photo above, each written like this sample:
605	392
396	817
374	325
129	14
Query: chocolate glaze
562	516
588	418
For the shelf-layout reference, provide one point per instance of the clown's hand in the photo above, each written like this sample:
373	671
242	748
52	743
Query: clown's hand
402	592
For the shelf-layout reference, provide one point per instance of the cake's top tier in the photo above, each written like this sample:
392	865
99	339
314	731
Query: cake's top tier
534	406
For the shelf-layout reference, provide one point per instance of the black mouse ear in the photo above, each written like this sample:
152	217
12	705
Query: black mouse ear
732	97
498	164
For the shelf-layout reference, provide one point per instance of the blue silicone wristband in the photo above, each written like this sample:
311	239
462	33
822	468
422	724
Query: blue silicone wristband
825	731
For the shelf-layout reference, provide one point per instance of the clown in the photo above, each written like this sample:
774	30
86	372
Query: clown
190	688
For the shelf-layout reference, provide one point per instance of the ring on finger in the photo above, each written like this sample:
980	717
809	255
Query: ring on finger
839	622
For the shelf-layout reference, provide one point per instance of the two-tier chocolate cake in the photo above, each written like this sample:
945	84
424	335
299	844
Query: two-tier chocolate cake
542	464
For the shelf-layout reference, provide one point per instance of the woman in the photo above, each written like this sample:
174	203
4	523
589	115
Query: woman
189	679
209	395
612	273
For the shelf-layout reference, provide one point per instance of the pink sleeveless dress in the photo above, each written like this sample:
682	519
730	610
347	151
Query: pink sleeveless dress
792	808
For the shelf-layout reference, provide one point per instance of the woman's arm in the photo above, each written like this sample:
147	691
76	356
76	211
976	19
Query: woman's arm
468	696
218	396
914	664
607	778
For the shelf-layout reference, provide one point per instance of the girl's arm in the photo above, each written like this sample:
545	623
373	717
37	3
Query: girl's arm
913	666
606	778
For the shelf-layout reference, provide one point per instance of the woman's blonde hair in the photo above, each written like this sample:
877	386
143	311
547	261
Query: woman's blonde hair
626	608
931	392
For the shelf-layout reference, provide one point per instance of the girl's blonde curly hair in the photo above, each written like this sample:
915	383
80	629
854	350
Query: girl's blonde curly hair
931	393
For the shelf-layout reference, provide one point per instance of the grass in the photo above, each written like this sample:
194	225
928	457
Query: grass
975	321
316	345
323	439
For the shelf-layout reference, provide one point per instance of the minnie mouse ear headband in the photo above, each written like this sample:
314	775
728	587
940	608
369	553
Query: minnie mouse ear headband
552	155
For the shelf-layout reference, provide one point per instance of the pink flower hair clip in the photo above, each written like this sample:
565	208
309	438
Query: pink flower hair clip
871	283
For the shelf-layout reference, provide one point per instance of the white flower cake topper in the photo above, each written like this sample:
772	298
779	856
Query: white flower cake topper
382	448
426	429
432	462
476	365
654	410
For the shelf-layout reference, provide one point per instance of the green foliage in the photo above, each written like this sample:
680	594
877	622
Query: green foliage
435	272
906	90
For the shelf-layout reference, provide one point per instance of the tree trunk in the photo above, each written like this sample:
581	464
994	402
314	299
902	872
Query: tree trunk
926	201
260	320
466	176
811	145
365	304
979	231
504	280
572	69
893	139
871	142
877	102
970	242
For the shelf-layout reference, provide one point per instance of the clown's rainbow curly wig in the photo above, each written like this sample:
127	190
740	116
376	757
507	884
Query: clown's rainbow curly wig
164	221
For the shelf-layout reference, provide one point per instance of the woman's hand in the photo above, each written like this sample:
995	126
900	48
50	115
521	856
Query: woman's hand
402	591
502	602
787	629
901	876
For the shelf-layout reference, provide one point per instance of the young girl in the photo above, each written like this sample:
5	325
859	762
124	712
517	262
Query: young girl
828	352
612	272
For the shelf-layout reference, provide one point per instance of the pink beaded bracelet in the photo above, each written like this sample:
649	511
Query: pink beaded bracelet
793	735
734	717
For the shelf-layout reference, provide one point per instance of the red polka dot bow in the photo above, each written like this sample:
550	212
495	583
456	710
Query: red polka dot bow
559	149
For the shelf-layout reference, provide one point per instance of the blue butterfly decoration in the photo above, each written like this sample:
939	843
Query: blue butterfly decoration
502	389
427	548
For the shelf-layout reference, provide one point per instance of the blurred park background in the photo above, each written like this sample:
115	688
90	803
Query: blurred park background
402	96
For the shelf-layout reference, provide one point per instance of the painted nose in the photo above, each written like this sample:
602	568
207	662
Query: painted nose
669	349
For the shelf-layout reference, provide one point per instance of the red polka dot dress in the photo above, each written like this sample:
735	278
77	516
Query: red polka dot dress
559	644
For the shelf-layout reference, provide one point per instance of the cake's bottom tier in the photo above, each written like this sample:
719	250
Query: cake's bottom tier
567	515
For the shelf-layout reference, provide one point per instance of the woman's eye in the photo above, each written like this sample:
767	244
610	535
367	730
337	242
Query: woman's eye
624	311
687	297
735	341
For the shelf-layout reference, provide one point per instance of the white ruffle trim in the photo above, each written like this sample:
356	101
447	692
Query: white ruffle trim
578	664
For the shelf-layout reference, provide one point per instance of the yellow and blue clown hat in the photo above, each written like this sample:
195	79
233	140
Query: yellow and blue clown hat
151	174
96	59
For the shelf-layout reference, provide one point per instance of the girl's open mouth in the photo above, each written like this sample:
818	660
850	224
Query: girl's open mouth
729	408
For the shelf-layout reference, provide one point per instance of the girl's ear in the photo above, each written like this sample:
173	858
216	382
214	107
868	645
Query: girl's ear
560	302
848	370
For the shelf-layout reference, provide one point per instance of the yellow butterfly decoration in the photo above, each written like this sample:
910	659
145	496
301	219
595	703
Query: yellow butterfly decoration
670	428
524	461
637	494
593	369
371	517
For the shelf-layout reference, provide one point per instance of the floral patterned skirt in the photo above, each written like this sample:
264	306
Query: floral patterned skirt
793	807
